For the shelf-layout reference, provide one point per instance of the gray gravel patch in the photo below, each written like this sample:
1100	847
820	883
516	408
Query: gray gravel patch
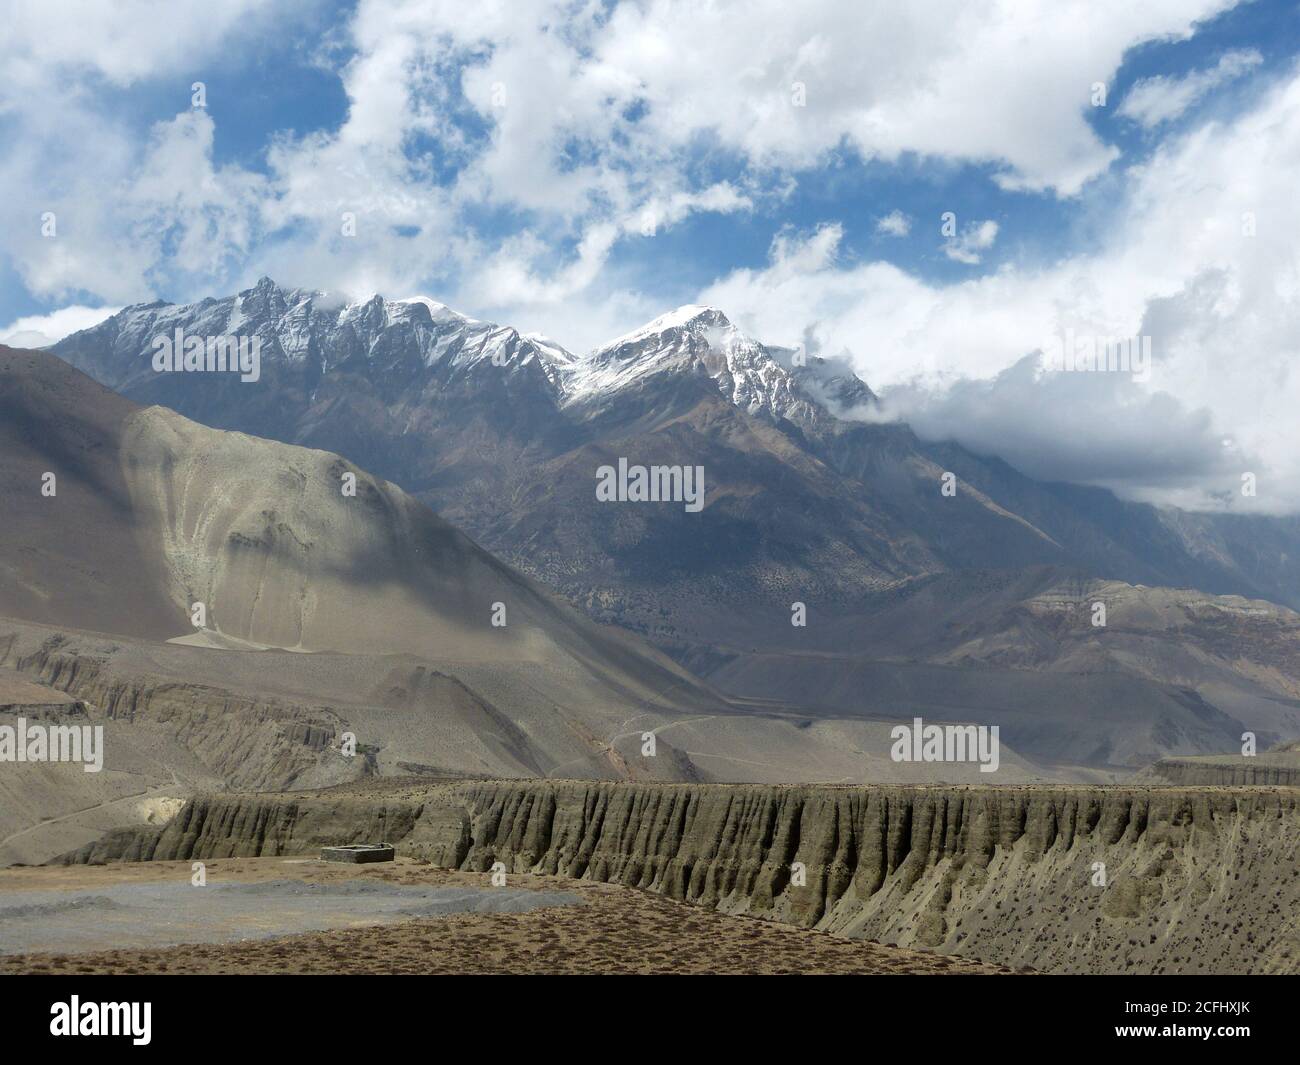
168	914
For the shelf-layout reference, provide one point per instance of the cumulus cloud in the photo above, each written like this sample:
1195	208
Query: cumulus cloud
92	202
574	120
925	78
1200	258
1153	101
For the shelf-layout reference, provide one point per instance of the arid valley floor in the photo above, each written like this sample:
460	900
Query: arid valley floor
611	929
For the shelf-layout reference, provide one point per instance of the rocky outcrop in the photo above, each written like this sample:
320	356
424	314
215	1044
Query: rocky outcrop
247	741
1062	879
1228	770
244	826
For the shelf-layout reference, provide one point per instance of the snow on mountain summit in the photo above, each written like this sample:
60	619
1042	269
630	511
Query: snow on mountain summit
416	335
690	316
693	339
419	339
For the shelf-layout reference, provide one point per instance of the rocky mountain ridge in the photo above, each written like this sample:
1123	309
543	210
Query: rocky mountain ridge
435	400
503	435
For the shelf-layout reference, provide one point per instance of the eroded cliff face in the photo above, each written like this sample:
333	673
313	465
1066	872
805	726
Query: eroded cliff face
1269	768
1085	879
246	741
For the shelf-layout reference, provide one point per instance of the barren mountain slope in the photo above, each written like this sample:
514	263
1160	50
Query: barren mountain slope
801	507
266	536
807	499
75	555
327	614
47	807
470	416
1169	673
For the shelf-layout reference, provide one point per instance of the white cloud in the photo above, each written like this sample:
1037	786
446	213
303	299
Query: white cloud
925	78
127	201
577	122
975	238
1222	308
40	330
124	42
518	273
894	224
570	118
1153	101
164	205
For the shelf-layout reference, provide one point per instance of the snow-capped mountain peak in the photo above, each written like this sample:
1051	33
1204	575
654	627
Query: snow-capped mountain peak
693	339
692	318
321	331
417	342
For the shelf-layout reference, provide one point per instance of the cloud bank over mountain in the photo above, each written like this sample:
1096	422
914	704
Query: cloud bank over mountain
556	166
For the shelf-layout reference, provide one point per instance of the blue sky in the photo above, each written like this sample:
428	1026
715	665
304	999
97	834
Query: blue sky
508	160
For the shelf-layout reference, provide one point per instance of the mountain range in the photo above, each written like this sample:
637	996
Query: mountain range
232	609
480	421
975	603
